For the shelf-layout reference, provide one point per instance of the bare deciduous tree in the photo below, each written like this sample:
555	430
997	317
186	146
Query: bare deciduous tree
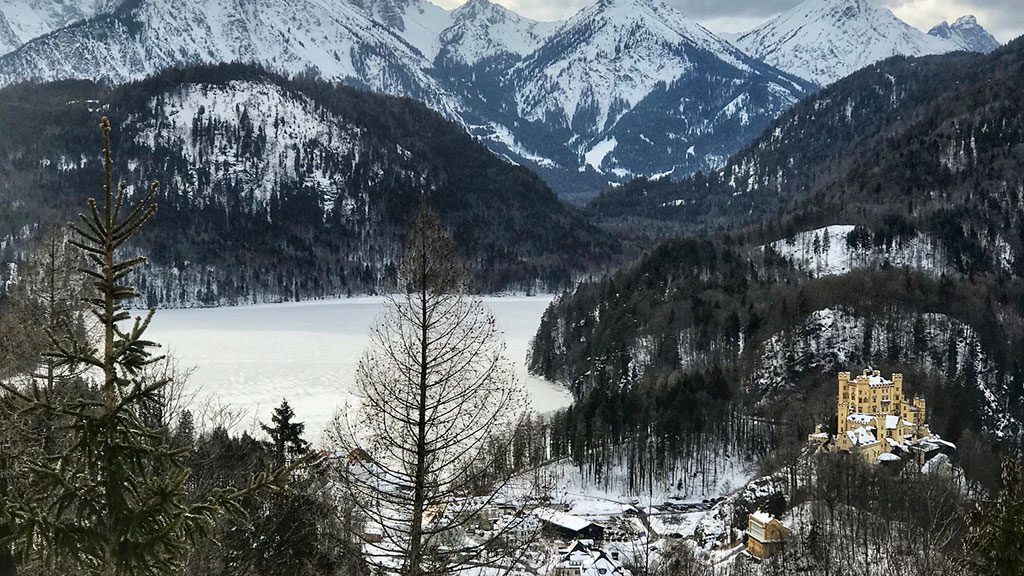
438	406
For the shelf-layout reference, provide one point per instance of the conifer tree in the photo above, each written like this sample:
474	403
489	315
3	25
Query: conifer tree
285	435
111	500
439	405
994	545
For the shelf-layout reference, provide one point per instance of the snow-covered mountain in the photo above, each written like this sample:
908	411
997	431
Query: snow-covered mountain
627	87
480	29
967	34
631	87
825	40
336	40
609	57
23	20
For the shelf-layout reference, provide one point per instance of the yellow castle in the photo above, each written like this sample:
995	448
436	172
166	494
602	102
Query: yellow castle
875	419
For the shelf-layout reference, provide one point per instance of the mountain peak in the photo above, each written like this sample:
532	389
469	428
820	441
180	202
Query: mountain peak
824	40
967	34
967	20
481	29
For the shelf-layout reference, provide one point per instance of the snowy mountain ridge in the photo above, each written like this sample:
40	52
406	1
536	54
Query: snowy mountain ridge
480	29
624	88
825	40
633	87
198	119
608	57
336	39
967	34
23	20
621	89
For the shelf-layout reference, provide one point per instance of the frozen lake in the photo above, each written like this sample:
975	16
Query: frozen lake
253	356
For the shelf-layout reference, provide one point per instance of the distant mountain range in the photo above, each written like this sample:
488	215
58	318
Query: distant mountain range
625	88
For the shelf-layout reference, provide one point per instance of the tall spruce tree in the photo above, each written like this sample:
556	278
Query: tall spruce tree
286	435
111	499
994	545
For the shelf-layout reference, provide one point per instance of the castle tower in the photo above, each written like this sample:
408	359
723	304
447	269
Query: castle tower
843	403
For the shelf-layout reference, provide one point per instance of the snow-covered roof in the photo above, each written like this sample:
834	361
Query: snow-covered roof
935	438
935	464
762	517
862	436
593	561
563	519
891	422
896	443
888	457
860	418
878	381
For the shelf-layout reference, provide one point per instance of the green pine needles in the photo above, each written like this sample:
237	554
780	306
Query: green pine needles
111	498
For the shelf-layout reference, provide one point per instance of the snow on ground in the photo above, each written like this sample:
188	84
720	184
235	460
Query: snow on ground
253	356
670	509
595	157
825	252
292	122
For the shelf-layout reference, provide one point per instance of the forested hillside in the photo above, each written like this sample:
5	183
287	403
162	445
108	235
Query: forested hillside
674	348
926	148
275	189
878	223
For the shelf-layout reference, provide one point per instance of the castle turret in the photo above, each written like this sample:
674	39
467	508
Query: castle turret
843	404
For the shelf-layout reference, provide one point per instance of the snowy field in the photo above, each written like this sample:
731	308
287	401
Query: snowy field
253	356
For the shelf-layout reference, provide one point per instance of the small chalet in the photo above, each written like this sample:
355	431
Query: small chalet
583	558
766	535
565	526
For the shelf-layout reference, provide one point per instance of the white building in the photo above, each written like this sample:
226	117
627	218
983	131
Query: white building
583	558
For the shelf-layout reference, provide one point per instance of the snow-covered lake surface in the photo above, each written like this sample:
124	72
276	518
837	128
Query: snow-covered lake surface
253	356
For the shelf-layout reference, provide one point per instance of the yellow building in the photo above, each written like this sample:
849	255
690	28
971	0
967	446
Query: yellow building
766	535
875	418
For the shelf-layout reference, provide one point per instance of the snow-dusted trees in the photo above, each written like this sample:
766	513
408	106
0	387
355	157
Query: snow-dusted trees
438	406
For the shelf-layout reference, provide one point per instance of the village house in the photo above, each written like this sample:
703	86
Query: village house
584	558
564	526
766	535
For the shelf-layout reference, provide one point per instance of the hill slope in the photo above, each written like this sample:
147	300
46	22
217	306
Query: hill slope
275	189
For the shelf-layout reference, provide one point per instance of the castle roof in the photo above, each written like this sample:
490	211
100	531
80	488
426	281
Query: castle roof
860	418
862	436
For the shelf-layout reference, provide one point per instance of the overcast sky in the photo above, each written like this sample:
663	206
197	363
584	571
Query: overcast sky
1003	18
